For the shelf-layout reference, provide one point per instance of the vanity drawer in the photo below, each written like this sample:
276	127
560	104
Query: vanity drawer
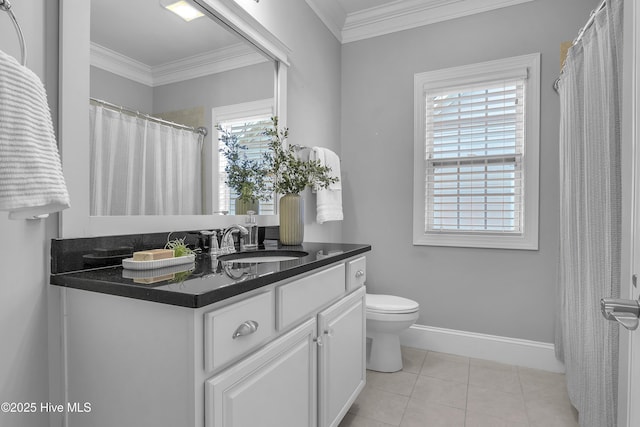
237	329
356	273
304	296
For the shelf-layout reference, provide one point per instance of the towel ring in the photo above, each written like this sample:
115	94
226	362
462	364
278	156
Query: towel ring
6	6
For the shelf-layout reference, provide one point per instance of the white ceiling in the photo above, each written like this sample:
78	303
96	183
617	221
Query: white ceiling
146	32
141	41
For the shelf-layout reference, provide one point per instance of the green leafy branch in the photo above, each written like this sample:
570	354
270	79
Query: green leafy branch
179	247
246	177
290	174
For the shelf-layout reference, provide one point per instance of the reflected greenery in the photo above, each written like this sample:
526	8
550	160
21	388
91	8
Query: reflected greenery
245	176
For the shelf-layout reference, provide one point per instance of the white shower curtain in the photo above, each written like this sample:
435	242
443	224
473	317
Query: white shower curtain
590	219
140	167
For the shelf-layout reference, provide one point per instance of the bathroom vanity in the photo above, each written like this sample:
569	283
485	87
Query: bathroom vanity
241	344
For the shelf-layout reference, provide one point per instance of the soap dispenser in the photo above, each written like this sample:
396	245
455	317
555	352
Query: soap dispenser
251	239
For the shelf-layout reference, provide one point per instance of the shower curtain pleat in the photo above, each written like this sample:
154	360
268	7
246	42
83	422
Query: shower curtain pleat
140	167
590	221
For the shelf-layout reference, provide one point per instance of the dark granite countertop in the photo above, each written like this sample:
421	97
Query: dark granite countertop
207	280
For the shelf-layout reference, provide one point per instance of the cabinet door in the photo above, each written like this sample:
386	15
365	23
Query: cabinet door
341	364
274	387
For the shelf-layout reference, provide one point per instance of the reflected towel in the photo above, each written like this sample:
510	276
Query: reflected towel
329	200
31	180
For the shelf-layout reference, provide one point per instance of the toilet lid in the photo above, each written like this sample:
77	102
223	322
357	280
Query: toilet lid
390	304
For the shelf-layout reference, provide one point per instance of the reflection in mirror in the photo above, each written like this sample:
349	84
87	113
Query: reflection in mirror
242	126
161	78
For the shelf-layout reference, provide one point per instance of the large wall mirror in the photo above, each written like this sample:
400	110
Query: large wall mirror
135	155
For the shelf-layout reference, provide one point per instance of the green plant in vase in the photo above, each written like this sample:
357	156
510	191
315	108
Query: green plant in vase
246	177
291	176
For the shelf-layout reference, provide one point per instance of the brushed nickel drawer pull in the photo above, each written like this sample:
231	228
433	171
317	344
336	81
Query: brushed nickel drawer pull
246	328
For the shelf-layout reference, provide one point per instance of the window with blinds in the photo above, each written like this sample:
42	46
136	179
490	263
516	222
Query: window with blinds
474	148
250	133
476	155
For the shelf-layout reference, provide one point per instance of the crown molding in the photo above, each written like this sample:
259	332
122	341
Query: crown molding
123	66
331	14
225	59
218	61
398	15
405	14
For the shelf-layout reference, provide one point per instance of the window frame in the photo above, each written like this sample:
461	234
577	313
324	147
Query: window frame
528	65
236	112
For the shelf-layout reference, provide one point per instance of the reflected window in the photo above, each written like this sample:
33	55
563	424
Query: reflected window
248	123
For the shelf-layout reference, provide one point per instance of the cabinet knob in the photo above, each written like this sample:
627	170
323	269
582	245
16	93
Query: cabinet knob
246	328
359	273
318	341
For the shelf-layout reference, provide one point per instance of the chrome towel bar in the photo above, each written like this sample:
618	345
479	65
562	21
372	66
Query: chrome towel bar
6	6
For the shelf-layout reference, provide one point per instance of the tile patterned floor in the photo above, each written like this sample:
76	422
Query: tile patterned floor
438	390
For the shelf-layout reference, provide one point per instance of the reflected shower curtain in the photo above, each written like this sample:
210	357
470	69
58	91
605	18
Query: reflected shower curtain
590	201
140	167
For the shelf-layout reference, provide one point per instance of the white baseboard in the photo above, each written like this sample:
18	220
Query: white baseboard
512	351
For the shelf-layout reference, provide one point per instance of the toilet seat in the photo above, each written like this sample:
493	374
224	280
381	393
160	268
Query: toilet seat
390	304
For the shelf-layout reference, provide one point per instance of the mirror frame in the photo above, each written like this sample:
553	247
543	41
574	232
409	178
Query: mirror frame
73	131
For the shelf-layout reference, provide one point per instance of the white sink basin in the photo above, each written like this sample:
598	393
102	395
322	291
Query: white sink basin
263	256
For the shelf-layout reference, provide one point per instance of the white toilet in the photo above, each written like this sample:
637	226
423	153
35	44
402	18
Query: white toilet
387	317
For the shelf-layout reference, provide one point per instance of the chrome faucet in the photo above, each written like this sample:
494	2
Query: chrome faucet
227	246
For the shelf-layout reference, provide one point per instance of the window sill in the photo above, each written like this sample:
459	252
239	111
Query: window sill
463	240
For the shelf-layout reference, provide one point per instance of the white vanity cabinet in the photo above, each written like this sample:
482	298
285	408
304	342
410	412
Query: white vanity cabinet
308	376
288	354
274	387
341	357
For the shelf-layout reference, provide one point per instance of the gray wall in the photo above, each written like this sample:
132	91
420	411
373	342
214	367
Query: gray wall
313	88
500	292
226	88
24	372
229	87
119	90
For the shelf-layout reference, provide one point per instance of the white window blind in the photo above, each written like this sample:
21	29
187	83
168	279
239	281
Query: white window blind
250	133
474	158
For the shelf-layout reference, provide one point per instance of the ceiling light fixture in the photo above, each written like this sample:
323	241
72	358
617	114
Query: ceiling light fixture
183	9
